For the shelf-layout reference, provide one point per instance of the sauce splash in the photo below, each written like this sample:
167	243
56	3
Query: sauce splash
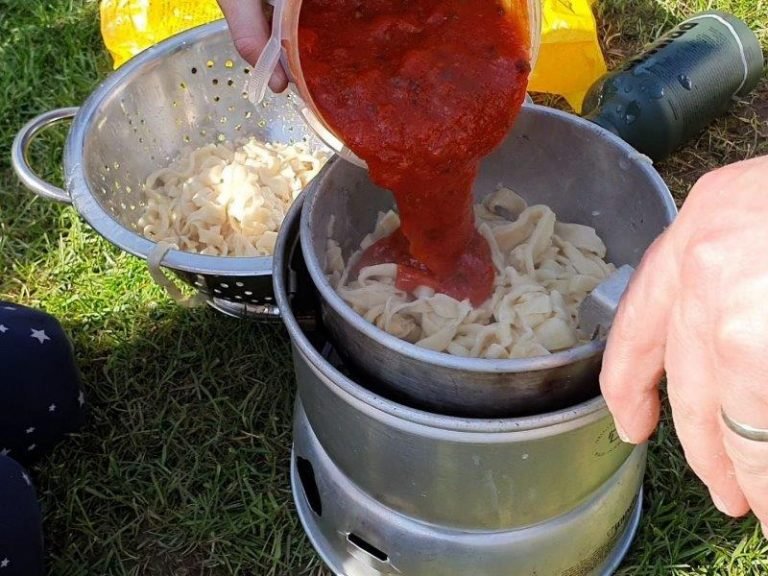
422	91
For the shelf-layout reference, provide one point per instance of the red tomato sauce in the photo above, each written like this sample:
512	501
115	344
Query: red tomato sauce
421	90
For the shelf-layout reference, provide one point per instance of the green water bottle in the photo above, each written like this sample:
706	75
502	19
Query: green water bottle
670	92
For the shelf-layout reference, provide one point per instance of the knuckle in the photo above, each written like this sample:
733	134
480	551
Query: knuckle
740	333
707	254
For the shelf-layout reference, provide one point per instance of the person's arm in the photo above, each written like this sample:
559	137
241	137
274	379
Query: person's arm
250	32
697	308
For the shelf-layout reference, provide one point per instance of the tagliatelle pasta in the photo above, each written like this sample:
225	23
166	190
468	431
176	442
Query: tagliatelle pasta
544	270
227	200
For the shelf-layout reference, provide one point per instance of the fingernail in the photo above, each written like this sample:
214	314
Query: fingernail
719	504
621	433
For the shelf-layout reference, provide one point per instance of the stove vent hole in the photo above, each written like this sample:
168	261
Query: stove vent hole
366	547
307	478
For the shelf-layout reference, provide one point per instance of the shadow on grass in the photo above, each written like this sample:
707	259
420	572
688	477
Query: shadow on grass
182	465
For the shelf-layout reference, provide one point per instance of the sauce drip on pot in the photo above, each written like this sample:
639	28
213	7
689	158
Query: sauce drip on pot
422	91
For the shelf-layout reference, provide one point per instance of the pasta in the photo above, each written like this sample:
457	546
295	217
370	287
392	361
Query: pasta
227	200
544	269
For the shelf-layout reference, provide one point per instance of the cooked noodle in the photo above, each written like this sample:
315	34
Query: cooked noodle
227	200
544	269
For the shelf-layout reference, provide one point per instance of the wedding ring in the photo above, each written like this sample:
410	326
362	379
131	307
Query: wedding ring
743	430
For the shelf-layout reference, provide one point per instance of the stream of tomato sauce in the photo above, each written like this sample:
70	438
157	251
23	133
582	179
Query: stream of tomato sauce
421	90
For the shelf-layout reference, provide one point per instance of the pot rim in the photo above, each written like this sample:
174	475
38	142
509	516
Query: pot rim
371	402
442	359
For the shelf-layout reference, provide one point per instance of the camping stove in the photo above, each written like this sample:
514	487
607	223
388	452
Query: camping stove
358	534
414	463
385	489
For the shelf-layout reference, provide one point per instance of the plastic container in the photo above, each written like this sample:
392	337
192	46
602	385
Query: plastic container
283	47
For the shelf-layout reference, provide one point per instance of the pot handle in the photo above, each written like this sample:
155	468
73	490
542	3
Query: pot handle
20	154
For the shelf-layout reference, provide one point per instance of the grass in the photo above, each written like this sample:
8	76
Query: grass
182	467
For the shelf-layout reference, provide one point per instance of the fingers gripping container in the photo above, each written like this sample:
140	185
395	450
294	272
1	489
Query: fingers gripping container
283	48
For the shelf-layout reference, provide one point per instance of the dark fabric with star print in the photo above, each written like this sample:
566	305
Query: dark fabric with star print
21	535
40	394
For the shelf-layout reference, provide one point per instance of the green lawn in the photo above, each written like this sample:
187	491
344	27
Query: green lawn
182	467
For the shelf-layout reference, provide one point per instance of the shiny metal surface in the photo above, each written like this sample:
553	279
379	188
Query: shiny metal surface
598	309
474	475
384	488
185	92
20	152
422	464
582	172
356	535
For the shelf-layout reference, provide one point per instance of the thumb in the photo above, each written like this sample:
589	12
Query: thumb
250	33
247	25
633	362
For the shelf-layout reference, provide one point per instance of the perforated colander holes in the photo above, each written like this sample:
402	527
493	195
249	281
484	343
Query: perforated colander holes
218	80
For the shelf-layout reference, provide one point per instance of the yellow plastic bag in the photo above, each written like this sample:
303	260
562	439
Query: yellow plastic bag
130	26
570	59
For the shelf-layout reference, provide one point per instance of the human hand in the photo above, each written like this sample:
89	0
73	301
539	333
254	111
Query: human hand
250	33
697	307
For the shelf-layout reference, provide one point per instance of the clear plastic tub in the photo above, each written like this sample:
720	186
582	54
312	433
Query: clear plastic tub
283	47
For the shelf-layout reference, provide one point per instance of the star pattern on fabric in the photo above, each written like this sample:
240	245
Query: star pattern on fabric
52	408
8	308
30	430
5	452
4	563
26	479
39	335
3	329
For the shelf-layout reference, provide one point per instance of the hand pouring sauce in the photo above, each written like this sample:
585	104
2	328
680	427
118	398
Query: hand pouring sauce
421	90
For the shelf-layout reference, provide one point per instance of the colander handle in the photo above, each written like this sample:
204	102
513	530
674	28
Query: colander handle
20	154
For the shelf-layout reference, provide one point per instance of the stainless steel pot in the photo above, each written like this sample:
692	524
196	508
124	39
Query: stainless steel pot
585	174
187	91
386	489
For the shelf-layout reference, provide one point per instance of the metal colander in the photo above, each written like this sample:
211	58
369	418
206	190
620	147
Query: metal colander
190	90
